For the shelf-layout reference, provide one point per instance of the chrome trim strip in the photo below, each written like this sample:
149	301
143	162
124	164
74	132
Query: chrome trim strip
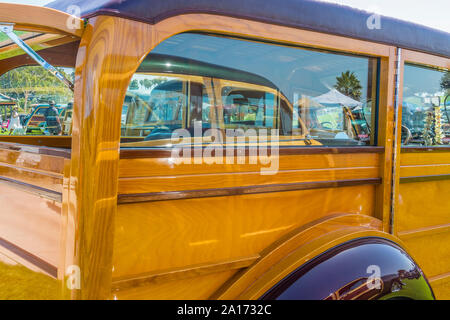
396	136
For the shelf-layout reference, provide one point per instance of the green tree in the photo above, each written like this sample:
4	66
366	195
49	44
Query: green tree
349	85
34	84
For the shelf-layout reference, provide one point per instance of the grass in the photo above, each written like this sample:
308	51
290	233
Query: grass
4	37
20	283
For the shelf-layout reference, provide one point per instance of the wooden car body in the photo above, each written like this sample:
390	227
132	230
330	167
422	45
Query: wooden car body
94	216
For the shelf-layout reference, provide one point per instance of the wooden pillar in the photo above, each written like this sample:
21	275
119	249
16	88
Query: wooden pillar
385	136
396	165
110	51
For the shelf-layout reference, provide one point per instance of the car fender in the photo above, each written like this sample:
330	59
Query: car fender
303	245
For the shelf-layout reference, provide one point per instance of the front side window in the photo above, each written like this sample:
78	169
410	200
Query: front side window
425	107
195	80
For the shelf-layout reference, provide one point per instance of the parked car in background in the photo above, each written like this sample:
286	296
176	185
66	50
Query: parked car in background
36	122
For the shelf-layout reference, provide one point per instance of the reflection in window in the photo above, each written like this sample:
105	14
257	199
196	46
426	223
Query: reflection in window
34	102
310	97
425	114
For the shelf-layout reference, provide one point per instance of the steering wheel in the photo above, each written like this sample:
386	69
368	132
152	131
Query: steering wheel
146	105
322	124
408	134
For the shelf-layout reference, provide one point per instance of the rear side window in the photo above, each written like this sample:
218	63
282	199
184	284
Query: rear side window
425	107
309	97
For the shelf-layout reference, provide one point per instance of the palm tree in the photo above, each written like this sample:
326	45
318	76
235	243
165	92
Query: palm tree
445	84
349	85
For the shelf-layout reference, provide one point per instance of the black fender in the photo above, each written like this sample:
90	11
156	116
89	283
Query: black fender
364	268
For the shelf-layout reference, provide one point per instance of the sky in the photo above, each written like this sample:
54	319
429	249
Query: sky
432	13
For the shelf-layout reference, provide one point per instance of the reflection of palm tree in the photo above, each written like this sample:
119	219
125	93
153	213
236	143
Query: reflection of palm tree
349	85
445	84
445	81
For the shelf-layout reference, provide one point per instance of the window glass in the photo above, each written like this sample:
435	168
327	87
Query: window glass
311	97
34	102
425	114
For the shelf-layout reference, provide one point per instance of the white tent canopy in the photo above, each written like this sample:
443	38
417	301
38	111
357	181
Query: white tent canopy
335	97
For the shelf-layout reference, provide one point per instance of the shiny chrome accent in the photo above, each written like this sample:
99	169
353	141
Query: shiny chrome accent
396	138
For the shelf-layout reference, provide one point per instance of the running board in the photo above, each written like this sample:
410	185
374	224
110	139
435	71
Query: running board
8	28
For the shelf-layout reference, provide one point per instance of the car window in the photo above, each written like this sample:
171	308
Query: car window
309	97
425	106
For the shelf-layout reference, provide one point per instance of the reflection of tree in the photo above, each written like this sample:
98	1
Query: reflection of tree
134	85
349	85
445	84
146	83
149	83
34	84
432	131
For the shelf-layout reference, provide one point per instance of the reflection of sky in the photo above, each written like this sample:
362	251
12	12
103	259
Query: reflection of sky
293	70
420	81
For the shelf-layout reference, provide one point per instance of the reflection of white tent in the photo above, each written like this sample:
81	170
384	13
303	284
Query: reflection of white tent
334	97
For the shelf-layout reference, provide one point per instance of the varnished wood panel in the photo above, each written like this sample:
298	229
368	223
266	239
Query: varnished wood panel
23	158
386	112
150	237
441	286
423	204
432	253
107	58
37	262
199	182
243	190
426	149
146	279
425	158
36	190
150	167
148	153
242	27
41	19
161	175
47	180
425	170
426	59
423	219
46	142
30	200
196	288
30	167
31	223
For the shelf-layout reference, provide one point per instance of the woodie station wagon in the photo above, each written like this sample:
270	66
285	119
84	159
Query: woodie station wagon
356	207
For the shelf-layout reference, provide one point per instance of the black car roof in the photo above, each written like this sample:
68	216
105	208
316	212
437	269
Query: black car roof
304	14
161	63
